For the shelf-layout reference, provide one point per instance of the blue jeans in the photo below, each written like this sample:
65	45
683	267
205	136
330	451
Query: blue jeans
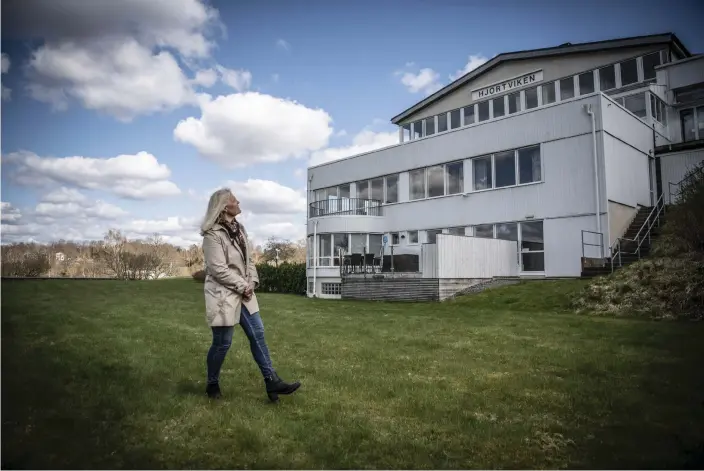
222	340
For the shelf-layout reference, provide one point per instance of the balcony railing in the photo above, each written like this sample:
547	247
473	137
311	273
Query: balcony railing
345	207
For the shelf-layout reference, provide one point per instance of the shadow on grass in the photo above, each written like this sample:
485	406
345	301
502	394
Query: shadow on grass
48	398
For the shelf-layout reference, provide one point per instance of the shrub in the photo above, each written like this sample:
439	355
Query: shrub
30	264
286	278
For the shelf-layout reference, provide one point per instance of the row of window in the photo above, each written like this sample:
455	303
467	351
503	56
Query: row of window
528	234
692	123
610	77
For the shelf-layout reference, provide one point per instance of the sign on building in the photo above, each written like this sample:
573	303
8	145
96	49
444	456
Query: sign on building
515	83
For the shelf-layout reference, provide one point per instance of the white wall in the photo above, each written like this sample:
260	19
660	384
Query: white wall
683	73
674	167
475	257
348	223
627	174
563	244
429	261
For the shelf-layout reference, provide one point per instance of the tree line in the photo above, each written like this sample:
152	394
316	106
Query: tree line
115	256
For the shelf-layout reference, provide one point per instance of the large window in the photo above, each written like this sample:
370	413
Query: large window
332	246
532	246
406	133
439	180
430	126
532	98
485	231
636	104
455	119
377	189
650	61
514	103
391	189
412	237
692	123
458	231
500	170
658	109
432	235
483	108
548	91
498	106
325	250
567	88
417	130
469	117
383	189
586	83
607	78
629	72
442	122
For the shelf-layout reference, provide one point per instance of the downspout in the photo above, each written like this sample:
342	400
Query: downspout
596	174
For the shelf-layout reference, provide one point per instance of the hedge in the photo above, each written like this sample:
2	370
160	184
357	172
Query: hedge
286	278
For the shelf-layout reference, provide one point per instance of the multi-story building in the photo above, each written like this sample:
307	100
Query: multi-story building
551	151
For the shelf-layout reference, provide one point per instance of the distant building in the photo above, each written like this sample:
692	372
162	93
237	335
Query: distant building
531	149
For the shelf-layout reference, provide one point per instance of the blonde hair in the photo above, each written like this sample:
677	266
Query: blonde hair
216	205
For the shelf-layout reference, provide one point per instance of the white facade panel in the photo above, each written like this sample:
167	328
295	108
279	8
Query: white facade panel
559	121
348	223
429	261
627	173
474	257
626	126
563	244
674	168
684	73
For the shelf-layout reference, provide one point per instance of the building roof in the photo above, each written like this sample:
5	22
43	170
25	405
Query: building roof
563	49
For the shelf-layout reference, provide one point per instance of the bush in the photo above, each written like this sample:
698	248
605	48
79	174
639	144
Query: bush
30	264
286	278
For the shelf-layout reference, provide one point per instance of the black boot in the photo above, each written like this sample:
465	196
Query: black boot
276	386
213	391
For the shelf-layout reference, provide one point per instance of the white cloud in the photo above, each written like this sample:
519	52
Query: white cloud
365	141
425	80
6	92
268	197
283	44
9	213
206	78
299	173
119	57
261	227
240	80
97	209
474	61
64	195
247	128
138	176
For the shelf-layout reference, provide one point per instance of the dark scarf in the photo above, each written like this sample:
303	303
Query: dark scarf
235	232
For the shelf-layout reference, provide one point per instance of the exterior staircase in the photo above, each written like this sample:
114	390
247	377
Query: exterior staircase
635	243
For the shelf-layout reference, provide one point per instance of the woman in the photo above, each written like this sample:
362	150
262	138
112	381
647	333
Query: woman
230	281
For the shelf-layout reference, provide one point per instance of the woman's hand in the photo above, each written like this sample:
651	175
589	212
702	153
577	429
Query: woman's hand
247	294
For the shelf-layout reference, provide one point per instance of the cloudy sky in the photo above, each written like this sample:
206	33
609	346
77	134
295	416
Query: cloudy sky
128	113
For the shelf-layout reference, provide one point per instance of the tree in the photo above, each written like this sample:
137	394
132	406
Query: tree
24	260
278	250
112	252
193	257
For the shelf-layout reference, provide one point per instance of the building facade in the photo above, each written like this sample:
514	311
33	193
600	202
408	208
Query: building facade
553	150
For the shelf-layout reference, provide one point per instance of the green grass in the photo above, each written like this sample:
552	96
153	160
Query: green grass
111	375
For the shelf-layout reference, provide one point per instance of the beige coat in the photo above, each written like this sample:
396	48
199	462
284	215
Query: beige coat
228	272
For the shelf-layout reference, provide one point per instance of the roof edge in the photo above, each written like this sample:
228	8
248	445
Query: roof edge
542	52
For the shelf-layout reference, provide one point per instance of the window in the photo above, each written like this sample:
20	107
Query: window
391	189
406	132
417	131
532	247
532	98
442	122
548	93
586	83
311	286
394	238
658	109
309	250
635	104
482	173
417	184
363	190
429	126
455	178
436	181
529	168
324	250
687	94
469	114
505	168
455	119
650	61
607	78
432	235
692	124
514	103
341	247
485	231
344	190
412	237
498	104
358	243
483	111
629	72
507	231
458	231
377	187
331	288
567	88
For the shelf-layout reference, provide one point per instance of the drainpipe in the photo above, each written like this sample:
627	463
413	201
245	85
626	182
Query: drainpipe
315	257
590	112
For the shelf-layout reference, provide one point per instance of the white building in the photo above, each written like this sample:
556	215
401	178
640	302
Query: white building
530	150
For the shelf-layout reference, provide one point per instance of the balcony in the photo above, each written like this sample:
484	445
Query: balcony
345	207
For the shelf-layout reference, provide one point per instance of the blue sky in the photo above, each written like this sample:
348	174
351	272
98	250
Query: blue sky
244	94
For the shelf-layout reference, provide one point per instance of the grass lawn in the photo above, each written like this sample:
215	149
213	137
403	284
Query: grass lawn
102	374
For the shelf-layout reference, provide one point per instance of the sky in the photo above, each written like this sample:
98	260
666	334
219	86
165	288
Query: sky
128	114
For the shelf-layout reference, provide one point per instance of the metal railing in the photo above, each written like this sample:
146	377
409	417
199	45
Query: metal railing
643	234
345	206
600	244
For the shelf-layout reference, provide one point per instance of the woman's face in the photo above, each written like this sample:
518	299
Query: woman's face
233	206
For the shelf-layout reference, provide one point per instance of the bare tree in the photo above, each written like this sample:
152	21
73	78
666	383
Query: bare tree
278	250
111	252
